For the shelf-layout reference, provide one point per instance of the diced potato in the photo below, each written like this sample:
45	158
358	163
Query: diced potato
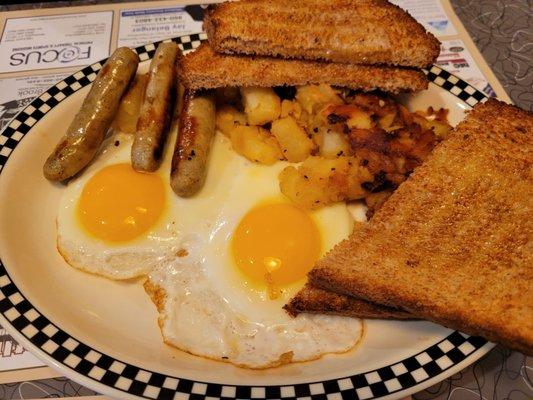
421	120
290	107
359	119
300	190
405	115
435	120
256	144
261	105
128	110
227	118
357	175
312	97
441	129
352	115
319	181
386	121
374	104
333	144
293	140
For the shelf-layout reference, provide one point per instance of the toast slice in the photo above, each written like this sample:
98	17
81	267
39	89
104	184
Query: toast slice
453	244
346	31
312	299
205	69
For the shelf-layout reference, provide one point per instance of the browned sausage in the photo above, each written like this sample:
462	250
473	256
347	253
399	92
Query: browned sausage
196	132
89	127
155	114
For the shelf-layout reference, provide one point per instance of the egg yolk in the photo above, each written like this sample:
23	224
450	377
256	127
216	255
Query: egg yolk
276	244
118	204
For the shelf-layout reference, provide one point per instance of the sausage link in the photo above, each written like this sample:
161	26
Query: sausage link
89	127
155	115
196	131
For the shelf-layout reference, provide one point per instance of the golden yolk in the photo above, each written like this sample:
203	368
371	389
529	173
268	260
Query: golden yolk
276	244
118	204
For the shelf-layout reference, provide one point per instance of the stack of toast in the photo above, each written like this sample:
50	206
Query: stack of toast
453	243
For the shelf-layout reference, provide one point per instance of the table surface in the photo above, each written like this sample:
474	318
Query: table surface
502	31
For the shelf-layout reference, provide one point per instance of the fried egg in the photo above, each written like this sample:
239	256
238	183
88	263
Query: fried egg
220	265
223	298
118	223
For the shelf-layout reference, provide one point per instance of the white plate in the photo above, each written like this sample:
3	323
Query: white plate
103	333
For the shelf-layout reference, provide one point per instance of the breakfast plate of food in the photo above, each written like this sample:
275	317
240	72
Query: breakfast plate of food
271	211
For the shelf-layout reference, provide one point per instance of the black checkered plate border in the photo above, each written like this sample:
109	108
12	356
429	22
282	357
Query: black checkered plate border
108	374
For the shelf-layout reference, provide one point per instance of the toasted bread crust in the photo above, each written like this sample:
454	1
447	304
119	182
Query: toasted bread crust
346	31
454	244
205	69
315	300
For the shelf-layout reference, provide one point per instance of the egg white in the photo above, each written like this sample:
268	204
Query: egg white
208	309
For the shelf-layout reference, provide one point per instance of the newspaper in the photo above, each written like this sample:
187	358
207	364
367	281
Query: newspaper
40	47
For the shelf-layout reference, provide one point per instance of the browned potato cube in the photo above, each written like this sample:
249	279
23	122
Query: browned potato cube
227	117
441	129
332	144
312	97
359	119
386	121
319	181
300	190
294	142
256	144
290	107
261	105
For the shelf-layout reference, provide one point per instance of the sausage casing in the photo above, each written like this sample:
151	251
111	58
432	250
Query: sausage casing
196	132
89	127
155	114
